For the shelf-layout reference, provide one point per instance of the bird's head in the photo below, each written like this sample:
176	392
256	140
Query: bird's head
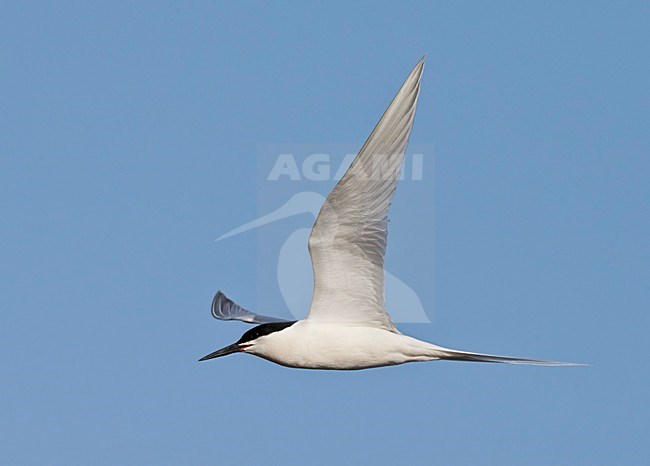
249	339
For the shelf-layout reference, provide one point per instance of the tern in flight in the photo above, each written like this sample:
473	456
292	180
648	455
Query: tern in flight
348	326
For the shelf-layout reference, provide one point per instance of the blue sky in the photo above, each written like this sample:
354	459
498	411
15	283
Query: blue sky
129	140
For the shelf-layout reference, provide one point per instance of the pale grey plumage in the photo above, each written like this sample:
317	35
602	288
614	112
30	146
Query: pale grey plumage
348	241
224	308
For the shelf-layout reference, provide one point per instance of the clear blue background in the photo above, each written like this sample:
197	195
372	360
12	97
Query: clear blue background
128	133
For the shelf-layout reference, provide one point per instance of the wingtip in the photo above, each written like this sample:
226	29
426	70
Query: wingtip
418	70
216	304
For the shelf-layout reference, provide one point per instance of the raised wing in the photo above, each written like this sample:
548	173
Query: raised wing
224	308
348	241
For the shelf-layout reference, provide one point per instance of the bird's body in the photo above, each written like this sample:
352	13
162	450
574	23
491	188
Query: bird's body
348	326
322	345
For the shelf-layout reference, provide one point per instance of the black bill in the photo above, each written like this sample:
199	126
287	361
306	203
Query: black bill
234	348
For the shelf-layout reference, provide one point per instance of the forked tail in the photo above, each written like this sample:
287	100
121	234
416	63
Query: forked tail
454	355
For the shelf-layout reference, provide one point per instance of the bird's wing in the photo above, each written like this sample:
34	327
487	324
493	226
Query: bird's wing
348	241
224	308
